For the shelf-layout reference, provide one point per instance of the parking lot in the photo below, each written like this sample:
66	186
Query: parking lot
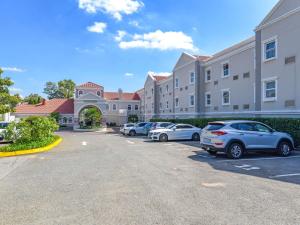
96	178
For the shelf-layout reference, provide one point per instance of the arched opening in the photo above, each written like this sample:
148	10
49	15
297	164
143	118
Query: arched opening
90	117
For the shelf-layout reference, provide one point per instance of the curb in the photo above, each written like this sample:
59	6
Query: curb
31	151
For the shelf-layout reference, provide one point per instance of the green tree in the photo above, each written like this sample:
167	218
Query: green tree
33	99
133	119
55	116
7	102
62	89
92	117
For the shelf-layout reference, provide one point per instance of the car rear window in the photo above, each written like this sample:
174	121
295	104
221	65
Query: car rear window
215	126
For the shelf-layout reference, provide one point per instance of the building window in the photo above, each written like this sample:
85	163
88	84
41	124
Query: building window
207	99
136	107
226	97
176	83
192	100
270	90
225	70
152	91
176	102
65	120
160	90
270	49
129	107
167	104
70	120
80	93
160	105
98	93
208	75
114	107
167	88
192	78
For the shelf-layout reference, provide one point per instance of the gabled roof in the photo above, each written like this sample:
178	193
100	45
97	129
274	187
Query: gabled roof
271	12
160	78
89	85
124	96
62	106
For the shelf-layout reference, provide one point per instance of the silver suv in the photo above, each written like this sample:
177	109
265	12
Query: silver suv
236	137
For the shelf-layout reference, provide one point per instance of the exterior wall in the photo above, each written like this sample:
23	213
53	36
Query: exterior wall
241	87
82	91
149	98
165	98
141	93
287	33
185	89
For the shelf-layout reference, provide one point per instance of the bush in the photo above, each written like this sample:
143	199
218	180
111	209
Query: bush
288	125
31	129
30	145
133	119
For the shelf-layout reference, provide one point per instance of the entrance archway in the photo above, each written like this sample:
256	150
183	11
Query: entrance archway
89	117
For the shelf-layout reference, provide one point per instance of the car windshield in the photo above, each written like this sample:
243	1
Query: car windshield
214	126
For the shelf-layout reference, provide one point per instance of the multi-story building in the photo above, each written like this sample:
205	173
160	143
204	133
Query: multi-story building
257	77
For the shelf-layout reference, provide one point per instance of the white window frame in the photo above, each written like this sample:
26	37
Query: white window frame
265	98
176	83
226	90
177	106
190	98
136	107
206	94
167	104
192	72
264	45
208	69
130	107
114	107
222	64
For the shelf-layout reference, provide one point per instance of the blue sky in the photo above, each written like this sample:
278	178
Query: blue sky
112	44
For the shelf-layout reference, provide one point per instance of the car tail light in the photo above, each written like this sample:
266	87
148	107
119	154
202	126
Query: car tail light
219	133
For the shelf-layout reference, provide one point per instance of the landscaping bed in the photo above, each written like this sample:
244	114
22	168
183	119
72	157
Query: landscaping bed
31	145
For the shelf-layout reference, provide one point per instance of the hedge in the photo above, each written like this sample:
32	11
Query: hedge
288	125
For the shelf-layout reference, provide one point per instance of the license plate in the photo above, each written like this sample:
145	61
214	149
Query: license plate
206	140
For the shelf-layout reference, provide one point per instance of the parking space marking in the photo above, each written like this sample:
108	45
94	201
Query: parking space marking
258	159
130	142
285	175
84	143
247	167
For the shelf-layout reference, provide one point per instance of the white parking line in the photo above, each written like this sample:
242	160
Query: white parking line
247	167
84	143
258	159
130	142
286	175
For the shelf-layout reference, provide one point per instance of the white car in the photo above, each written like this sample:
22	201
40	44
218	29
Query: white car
3	126
126	127
176	132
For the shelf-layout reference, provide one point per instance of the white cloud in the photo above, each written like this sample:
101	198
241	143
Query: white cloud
97	27
129	74
135	23
113	7
163	74
121	34
14	90
13	69
160	40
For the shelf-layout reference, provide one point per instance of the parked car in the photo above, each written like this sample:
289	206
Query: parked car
139	129
236	137
126	126
3	126
160	125
176	132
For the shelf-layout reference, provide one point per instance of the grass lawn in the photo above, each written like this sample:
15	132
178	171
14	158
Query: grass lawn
27	146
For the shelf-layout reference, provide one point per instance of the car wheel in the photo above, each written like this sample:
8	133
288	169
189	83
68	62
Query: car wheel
163	138
212	152
235	151
132	133
284	148
196	137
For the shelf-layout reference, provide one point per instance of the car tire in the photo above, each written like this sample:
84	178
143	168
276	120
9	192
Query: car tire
132	133
163	138
212	152
235	151
284	148
196	137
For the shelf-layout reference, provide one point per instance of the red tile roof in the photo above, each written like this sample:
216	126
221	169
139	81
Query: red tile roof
90	85
125	96
63	106
160	78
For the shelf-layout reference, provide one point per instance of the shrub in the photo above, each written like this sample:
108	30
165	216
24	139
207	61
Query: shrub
133	119
288	125
31	129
